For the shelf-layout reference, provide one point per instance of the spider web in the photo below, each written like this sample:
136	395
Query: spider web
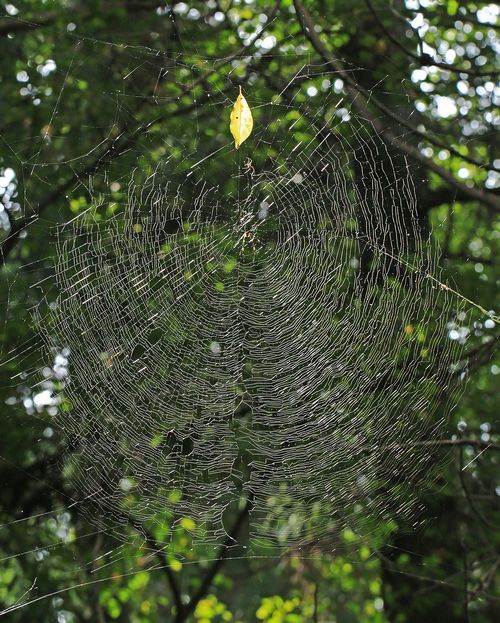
276	347
262	347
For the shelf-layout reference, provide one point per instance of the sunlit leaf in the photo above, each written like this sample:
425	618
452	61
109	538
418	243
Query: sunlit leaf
241	120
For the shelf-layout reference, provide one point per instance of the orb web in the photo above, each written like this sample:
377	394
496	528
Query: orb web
277	349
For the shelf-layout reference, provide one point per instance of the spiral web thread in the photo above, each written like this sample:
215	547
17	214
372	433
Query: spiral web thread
282	350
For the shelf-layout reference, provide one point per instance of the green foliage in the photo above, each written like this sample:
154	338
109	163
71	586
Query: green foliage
121	90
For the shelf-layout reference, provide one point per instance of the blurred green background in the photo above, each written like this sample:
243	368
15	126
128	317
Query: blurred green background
96	94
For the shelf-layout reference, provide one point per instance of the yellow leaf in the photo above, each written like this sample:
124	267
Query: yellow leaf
241	120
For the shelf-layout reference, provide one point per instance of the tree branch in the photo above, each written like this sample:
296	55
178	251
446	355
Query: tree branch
122	142
360	99
14	24
422	58
159	552
115	147
214	569
434	443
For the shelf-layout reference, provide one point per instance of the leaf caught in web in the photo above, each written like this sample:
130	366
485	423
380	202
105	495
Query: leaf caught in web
241	120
